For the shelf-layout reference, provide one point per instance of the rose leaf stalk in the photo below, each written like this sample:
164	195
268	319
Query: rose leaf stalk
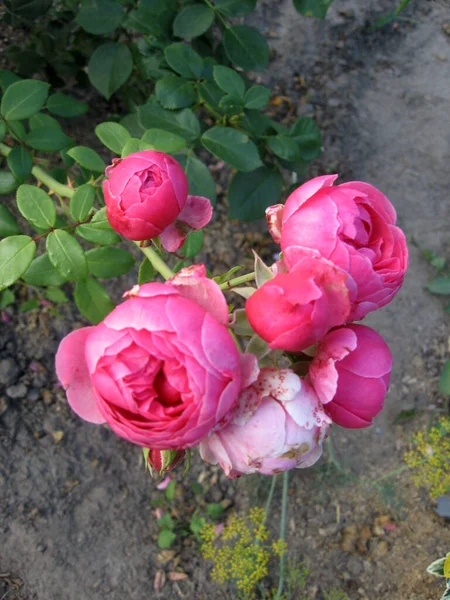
157	263
228	285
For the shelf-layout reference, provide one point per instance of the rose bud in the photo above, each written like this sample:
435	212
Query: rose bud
146	195
162	369
294	310
350	374
353	226
279	425
164	461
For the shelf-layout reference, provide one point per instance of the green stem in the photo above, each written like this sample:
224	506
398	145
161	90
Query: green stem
157	262
284	503
228	285
391	474
332	456
270	496
43	177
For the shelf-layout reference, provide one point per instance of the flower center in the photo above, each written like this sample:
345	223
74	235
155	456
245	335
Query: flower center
152	179
167	394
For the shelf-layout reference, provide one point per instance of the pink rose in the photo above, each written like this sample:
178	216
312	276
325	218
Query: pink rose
279	425
162	369
353	226
350	374
294	310
146	195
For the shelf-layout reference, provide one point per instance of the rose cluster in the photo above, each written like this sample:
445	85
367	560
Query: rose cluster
170	369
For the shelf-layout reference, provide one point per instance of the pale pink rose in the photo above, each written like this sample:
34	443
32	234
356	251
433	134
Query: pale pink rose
279	425
353	226
146	195
294	310
350	374
161	369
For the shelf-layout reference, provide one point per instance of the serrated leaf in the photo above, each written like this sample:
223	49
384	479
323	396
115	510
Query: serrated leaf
257	97
36	206
183	122
184	60
250	194
92	300
246	47
20	162
234	147
192	21
201	182
23	99
100	17
110	67
87	158
284	147
193	244
8	224
146	272
29	305
231	105
48	139
229	81
214	510
313	8
92	234
8	183
113	136
164	141
82	202
7	78
210	94
41	272
16	254
66	106
109	262
175	92
439	285
66	255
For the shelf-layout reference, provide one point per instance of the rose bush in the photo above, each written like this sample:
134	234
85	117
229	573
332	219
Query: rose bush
146	195
353	226
279	425
161	369
350	374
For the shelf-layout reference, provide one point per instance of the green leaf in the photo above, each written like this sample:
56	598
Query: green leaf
16	254
66	255
231	105
284	147
133	145
183	123
437	567
439	285
163	141
29	305
41	120
57	296
36	206
234	147
113	136
92	234
82	202
48	139
170	491
444	380
66	106
110	67
17	130
201	182
87	158
235	8
251	193
7	298
28	9
23	99
215	511
20	162
257	97
146	272
229	81
109	262
210	94
166	538
196	524
7	78
92	300
3	130
308	138
8	225
192	21
246	47
184	60
8	182
41	272
100	17
166	522
175	92
193	244
313	8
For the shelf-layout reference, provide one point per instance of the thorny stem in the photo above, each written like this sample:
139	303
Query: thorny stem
228	285
43	177
284	503
157	262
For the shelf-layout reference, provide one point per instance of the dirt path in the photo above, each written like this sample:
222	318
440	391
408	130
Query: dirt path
75	519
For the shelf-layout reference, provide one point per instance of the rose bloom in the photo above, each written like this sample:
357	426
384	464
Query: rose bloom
162	369
294	310
353	226
350	374
146	195
278	425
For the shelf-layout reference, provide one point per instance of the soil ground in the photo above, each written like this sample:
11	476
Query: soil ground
76	521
